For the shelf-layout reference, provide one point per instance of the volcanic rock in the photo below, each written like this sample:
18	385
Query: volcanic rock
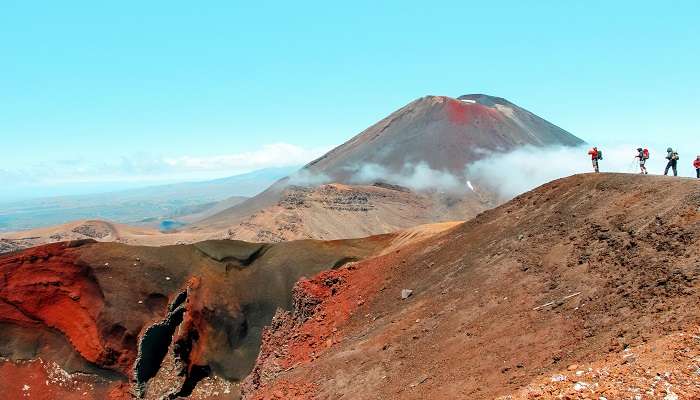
82	307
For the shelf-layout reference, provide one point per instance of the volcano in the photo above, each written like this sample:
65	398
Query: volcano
407	169
444	133
425	146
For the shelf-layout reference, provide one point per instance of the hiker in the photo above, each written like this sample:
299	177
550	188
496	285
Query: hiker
643	155
672	157
696	164
596	155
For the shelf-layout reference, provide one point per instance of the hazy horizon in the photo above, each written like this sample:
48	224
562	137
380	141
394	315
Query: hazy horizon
85	189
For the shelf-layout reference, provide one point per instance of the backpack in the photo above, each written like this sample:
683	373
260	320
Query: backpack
645	154
600	154
674	156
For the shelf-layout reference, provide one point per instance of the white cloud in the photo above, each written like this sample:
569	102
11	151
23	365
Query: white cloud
415	176
304	177
271	155
151	168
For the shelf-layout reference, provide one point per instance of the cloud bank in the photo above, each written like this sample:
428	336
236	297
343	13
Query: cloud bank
271	155
62	177
304	177
510	174
524	169
418	176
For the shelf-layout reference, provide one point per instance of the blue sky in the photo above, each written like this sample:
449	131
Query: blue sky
97	95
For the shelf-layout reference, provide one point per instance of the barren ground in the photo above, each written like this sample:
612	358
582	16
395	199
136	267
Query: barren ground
584	288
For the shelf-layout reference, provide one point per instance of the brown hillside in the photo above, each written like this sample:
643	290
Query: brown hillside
334	211
584	288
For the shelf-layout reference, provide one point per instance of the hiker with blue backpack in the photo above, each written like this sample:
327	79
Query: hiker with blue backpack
596	155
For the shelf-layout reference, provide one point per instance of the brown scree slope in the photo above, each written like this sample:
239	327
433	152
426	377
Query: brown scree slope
334	211
586	287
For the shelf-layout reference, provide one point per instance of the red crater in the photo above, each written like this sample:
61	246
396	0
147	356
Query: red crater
463	113
46	287
188	312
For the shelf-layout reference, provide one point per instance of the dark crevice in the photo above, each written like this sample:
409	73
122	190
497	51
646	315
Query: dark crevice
244	330
344	261
193	373
156	340
154	346
179	299
196	374
245	262
237	254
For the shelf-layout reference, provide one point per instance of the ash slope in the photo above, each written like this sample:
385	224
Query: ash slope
591	271
333	211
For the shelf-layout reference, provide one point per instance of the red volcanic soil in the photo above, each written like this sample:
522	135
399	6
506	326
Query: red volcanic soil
46	287
322	305
47	381
460	112
584	288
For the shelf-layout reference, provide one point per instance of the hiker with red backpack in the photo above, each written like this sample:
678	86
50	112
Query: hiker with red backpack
596	155
696	164
643	155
